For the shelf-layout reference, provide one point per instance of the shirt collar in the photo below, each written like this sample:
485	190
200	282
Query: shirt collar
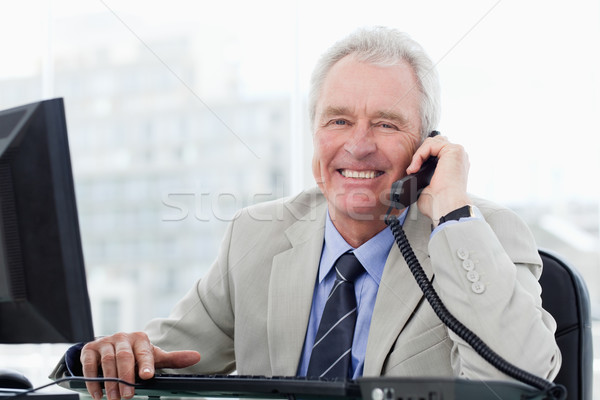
372	254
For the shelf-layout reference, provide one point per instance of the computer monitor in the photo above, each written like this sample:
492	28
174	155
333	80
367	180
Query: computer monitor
43	291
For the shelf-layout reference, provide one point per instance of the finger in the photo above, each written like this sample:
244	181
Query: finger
109	369
430	147
125	360
144	355
175	359
89	362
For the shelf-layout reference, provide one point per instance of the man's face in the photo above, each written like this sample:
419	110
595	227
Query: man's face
367	127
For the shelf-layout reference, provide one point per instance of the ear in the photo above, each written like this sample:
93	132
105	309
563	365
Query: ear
316	170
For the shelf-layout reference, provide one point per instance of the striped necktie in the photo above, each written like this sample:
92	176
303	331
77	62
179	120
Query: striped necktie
332	352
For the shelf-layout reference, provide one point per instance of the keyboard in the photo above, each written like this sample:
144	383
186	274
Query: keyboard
242	386
373	388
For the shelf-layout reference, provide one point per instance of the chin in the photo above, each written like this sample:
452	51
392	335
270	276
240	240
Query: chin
359	212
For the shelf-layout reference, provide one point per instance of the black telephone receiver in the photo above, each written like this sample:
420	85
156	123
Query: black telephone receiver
406	191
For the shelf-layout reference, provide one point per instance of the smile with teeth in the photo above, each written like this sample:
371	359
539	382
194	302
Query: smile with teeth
360	174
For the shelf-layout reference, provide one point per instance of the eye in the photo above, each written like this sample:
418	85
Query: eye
337	123
386	126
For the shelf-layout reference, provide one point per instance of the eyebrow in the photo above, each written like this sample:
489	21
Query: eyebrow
391	115
400	119
333	110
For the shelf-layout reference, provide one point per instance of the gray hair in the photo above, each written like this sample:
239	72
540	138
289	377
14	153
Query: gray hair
385	47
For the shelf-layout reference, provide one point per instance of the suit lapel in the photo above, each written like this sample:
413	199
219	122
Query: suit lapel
398	294
291	288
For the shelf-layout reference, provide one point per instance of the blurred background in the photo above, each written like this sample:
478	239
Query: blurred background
180	113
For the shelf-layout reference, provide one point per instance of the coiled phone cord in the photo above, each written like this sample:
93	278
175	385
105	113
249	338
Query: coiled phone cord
553	390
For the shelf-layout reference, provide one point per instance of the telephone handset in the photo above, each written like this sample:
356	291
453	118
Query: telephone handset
405	192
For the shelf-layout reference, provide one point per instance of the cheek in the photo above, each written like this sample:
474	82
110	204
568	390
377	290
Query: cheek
401	151
322	153
405	155
410	142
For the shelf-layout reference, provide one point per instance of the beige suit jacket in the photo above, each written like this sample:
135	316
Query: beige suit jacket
251	311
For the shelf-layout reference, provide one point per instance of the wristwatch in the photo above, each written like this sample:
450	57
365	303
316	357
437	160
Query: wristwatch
463	212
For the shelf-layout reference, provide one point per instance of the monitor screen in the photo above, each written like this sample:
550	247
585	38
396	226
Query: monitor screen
43	291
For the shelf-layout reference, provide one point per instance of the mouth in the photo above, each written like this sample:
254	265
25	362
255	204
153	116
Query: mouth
348	173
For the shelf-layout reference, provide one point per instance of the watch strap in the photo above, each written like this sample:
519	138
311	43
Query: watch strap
462	212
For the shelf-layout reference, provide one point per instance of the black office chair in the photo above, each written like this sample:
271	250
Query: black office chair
565	296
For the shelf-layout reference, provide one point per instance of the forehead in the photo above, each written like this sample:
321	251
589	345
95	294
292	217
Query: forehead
364	87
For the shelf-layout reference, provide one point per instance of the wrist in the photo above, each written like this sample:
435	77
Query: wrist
447	203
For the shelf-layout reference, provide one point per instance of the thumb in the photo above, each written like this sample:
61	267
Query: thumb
164	359
175	359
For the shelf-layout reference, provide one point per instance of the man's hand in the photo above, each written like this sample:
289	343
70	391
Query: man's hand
448	188
118	356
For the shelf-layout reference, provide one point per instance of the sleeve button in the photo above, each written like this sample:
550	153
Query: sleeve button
478	287
462	253
473	276
468	264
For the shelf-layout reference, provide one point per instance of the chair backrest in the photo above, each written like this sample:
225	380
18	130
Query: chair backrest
565	296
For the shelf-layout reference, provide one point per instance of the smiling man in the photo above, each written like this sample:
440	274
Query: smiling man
315	285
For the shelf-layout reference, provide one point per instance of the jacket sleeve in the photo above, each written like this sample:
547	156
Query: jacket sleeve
487	276
202	320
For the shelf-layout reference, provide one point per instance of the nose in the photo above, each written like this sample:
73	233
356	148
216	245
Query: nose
361	142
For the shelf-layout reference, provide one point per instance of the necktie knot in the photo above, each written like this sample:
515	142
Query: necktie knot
348	268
